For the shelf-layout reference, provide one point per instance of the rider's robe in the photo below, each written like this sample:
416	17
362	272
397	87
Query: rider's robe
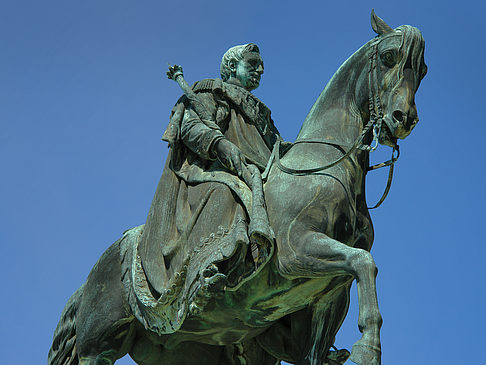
200	213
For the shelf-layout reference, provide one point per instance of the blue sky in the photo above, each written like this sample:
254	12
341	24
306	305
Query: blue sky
84	105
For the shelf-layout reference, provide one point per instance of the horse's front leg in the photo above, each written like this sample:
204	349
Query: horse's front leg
316	255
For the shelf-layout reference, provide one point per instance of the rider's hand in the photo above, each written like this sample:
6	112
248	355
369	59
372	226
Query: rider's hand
230	156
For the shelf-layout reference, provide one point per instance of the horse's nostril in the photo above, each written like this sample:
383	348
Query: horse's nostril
398	116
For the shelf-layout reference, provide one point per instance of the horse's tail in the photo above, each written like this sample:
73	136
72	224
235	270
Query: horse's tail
63	350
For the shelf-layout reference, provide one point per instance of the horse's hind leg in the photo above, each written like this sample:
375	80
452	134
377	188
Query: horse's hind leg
314	254
323	318
104	328
305	337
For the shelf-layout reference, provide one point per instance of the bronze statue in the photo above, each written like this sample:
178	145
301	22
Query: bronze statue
251	244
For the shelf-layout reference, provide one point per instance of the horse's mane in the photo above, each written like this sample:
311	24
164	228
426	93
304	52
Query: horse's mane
413	45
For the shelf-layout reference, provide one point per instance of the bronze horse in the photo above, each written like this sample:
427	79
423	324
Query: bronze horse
293	306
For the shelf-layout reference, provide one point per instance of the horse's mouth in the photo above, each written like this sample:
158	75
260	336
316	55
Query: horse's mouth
386	137
404	130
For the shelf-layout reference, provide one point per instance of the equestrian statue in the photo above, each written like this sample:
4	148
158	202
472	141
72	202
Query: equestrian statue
251	243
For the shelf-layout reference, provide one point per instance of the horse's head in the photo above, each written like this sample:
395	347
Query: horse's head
397	68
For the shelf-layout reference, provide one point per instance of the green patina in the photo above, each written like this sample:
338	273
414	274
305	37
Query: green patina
249	251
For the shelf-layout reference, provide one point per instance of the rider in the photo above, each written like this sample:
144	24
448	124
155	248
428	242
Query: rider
241	128
201	195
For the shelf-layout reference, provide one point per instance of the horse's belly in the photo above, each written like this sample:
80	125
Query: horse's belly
300	294
254	307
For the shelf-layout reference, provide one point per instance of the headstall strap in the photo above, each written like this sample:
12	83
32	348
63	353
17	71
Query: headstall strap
376	113
374	104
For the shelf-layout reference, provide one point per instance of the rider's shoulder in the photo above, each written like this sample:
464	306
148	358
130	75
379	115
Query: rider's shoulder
208	85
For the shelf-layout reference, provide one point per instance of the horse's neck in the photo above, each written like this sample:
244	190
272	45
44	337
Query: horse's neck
340	112
336	114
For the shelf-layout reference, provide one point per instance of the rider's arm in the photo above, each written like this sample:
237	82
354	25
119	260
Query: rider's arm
206	139
198	135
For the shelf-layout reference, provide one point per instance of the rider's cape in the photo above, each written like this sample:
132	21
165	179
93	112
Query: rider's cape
195	240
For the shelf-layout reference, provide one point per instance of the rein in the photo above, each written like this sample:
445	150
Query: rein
375	123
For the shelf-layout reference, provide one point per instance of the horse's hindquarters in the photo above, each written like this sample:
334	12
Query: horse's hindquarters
103	317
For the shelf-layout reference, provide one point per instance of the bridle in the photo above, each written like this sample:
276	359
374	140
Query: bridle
375	124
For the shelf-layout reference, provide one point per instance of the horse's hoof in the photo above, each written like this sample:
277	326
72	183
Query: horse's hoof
337	357
363	354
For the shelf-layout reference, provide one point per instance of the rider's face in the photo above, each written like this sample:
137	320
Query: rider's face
249	70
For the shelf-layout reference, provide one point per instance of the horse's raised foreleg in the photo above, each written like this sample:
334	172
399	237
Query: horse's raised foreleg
314	255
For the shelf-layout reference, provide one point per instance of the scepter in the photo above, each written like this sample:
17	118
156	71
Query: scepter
175	73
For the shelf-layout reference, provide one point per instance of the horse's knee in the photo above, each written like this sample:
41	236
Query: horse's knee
364	266
362	262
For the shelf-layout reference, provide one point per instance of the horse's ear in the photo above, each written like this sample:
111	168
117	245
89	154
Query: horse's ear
379	25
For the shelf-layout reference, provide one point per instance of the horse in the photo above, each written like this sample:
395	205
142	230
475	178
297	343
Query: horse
294	305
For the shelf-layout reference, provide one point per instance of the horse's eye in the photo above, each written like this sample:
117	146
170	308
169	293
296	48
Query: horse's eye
389	58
